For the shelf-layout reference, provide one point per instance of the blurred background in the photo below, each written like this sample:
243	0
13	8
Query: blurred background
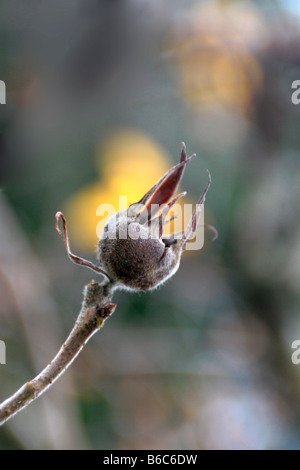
100	95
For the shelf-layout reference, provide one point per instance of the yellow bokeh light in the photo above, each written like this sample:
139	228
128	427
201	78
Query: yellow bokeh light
216	61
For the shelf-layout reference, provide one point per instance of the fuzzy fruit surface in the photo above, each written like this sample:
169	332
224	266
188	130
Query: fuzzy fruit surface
134	255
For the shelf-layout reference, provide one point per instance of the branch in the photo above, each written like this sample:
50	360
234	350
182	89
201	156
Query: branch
96	308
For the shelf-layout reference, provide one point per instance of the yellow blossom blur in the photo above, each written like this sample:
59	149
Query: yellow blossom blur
216	63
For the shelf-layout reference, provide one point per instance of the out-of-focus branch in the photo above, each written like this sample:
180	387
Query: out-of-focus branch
30	314
96	308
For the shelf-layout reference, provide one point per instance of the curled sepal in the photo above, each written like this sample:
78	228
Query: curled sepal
193	224
74	258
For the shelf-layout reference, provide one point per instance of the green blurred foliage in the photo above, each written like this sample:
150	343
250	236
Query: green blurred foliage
205	361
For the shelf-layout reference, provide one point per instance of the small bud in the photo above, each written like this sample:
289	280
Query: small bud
132	252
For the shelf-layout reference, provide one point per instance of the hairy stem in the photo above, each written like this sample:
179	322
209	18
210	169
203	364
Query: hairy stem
96	308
